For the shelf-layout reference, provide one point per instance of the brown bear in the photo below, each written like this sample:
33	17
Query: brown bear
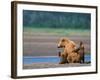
68	46
81	51
70	53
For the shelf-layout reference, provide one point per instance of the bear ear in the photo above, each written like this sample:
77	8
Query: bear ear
81	44
63	40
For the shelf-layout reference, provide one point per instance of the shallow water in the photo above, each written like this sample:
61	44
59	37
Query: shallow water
50	59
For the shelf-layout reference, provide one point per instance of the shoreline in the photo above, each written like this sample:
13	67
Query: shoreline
53	65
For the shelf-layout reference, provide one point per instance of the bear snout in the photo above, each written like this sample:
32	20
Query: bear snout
58	47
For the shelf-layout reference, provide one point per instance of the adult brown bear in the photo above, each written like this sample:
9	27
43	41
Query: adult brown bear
70	53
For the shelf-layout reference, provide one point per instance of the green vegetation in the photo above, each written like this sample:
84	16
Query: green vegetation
49	19
58	31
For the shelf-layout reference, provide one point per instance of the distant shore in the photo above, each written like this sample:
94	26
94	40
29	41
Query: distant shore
52	65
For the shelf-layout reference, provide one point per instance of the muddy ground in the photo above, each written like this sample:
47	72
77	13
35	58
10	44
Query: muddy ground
46	45
52	65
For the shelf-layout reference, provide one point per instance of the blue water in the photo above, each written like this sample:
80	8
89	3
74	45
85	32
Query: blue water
30	59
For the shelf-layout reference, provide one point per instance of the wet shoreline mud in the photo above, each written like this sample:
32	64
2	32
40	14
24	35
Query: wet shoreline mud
53	65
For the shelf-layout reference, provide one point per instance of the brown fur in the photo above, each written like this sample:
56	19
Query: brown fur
69	55
80	51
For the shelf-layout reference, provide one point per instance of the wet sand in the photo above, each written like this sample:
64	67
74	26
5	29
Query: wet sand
52	65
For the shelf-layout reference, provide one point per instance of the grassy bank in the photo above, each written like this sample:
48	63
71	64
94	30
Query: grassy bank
58	31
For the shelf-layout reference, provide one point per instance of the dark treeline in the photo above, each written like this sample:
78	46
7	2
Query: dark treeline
56	19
